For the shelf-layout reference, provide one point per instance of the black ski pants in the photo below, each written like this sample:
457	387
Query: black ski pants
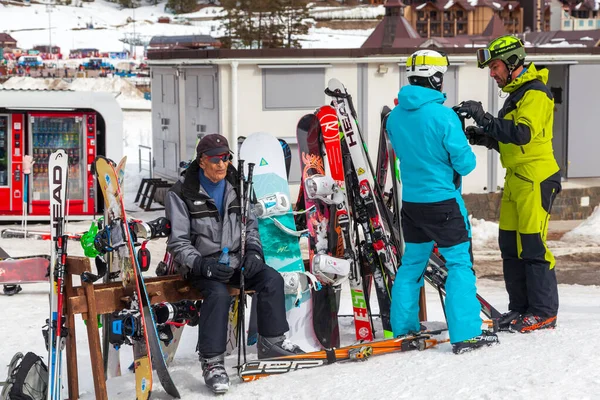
214	314
528	264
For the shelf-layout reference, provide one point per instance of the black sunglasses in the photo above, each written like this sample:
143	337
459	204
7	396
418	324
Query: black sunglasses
218	158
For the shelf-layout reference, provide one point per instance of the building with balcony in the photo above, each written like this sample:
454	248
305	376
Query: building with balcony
580	16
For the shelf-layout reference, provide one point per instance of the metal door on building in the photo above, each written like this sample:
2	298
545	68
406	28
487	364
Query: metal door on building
201	105
165	122
583	138
558	82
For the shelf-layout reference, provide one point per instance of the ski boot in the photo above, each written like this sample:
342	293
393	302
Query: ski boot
502	323
214	373
277	346
528	322
422	330
10	290
484	339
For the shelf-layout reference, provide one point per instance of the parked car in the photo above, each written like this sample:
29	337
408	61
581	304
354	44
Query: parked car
97	63
30	61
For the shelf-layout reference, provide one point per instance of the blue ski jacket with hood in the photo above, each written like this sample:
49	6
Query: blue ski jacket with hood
430	144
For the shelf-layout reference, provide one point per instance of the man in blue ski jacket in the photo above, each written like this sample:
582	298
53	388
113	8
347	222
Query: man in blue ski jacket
434	156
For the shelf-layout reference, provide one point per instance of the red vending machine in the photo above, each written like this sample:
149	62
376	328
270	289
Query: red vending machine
11	159
76	134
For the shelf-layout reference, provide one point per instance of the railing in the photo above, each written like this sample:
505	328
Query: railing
145	150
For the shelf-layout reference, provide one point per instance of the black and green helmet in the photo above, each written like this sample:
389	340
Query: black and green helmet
507	48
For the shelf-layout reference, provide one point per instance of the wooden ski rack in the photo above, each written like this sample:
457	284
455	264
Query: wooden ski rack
91	300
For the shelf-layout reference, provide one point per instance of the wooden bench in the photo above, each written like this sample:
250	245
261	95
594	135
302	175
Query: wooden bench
91	300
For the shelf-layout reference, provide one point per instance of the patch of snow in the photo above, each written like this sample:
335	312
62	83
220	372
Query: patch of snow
449	4
205	12
364	12
588	232
484	234
127	95
562	44
319	38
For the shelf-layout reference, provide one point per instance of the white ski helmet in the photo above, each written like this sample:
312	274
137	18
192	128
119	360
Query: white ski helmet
427	68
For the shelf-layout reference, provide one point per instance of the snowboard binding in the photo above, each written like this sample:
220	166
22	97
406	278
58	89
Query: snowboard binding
63	332
324	188
123	325
11	290
272	205
330	270
184	312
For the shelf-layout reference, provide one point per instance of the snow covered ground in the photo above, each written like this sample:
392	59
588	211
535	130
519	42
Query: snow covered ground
555	364
65	25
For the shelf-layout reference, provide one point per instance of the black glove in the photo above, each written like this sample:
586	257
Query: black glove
473	109
210	268
477	137
252	263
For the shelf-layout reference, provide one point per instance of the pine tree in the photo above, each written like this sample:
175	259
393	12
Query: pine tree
181	6
295	12
263	23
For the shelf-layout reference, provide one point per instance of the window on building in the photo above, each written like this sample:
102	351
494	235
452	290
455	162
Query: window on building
285	88
168	89
448	28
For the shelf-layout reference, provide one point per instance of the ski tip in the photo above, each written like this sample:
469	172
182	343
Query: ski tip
385	111
334	84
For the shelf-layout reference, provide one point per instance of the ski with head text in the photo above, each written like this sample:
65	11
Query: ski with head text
55	333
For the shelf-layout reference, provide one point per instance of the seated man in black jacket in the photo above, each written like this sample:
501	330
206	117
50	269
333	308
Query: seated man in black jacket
205	214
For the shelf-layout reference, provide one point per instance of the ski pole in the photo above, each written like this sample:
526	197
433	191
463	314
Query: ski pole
242	248
242	305
27	164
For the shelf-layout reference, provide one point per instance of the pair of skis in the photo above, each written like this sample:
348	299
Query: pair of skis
254	370
148	354
330	237
56	333
378	249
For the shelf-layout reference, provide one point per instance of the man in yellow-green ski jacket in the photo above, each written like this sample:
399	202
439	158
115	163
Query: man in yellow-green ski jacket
522	134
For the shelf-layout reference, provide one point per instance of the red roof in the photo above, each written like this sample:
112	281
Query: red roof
400	27
6	38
